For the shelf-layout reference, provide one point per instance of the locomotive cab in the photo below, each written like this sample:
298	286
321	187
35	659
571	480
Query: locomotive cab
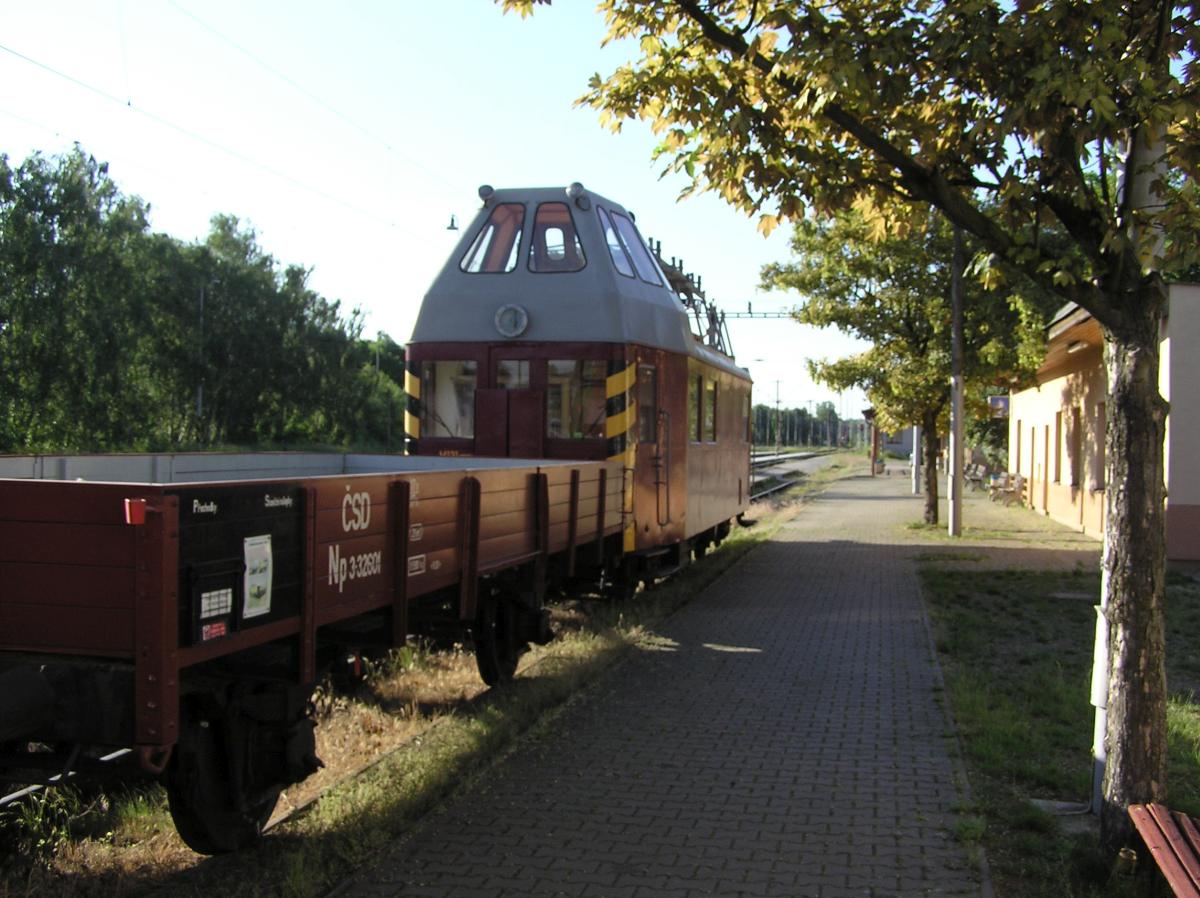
553	331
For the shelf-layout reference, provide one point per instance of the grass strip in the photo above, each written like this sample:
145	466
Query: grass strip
1016	653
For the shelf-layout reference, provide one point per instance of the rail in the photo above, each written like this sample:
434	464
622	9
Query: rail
774	489
59	777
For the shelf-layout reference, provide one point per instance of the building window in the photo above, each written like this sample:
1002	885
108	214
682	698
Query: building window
1017	457
1058	438
1076	447
448	399
647	404
575	398
555	244
494	249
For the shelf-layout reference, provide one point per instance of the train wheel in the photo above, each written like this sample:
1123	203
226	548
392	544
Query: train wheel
497	646
211	815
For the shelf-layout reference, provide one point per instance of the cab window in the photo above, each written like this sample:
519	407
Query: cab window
619	257
513	374
575	398
448	398
555	244
647	404
494	249
710	410
646	268
695	393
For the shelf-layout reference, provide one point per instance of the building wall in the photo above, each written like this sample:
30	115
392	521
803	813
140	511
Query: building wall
1055	440
1056	433
1181	364
900	443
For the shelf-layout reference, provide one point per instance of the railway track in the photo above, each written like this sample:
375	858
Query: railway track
764	460
771	490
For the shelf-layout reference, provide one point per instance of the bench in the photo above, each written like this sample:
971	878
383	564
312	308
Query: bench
1174	843
976	476
1007	488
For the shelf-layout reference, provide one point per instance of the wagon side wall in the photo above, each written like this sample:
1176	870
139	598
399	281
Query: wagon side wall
67	568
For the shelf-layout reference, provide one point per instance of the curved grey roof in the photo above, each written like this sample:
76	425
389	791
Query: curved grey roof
595	304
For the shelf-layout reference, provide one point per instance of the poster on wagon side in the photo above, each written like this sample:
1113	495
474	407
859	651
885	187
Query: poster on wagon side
256	592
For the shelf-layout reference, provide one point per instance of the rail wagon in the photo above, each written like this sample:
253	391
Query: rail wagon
564	423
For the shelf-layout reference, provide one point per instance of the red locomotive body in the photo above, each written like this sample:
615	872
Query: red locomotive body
554	332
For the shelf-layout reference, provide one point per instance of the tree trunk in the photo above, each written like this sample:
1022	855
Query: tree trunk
930	438
1134	568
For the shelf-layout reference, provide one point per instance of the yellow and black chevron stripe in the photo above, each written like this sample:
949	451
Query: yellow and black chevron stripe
412	408
620	432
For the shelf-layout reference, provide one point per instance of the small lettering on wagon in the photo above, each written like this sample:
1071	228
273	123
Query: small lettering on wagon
352	567
356	510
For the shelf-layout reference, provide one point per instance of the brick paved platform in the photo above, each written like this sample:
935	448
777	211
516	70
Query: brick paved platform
784	739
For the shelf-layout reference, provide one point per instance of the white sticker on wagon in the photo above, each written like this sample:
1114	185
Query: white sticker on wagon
415	532
256	595
216	602
416	565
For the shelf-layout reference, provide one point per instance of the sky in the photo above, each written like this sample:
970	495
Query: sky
348	134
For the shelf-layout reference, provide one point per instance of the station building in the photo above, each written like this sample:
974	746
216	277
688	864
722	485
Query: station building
1056	428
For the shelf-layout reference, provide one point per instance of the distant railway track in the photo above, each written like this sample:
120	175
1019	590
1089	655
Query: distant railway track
768	459
763	460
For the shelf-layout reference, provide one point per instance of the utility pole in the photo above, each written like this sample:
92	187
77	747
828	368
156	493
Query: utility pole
955	474
776	417
916	461
200	357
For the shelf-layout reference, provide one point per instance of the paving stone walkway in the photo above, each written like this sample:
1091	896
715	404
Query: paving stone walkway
784	738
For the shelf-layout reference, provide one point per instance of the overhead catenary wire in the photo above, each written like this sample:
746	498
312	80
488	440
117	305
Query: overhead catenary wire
216	145
308	94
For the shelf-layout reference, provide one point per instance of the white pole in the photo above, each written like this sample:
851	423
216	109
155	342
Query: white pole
955	472
916	461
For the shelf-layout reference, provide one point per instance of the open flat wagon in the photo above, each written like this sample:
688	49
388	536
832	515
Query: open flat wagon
184	605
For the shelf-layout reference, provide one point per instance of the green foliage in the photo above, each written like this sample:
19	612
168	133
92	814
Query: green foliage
114	337
990	436
796	426
1009	118
894	292
39	824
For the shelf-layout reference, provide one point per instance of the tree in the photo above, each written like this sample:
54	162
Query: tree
1006	117
894	292
72	305
116	338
